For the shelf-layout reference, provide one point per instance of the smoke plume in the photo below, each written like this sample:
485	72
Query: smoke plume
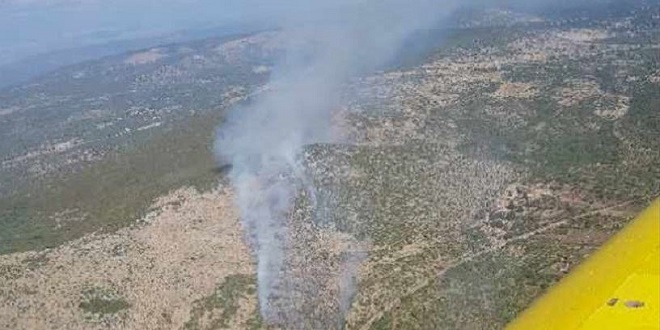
327	44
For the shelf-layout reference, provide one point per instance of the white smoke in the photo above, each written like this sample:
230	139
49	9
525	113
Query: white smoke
329	42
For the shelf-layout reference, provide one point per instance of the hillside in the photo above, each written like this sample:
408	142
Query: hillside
467	180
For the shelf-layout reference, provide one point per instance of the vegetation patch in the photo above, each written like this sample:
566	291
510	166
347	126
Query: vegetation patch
99	302
217	310
113	192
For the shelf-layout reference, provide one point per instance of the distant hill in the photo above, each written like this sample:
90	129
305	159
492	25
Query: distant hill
23	70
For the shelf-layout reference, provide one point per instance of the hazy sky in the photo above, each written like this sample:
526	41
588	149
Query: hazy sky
28	27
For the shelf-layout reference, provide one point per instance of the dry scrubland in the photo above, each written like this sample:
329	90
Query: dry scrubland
149	275
461	188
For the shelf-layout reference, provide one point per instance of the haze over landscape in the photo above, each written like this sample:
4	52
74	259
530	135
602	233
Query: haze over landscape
315	164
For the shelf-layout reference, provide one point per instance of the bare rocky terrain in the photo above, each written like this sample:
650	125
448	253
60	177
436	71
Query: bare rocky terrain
133	278
461	187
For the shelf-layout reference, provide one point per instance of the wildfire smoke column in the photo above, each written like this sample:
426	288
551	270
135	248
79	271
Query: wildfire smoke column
327	43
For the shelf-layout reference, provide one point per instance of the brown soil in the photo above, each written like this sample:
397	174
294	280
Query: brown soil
177	254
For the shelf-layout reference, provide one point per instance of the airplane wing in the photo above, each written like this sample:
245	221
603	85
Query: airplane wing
618	287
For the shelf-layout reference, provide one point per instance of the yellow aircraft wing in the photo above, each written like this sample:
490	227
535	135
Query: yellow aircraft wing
618	287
